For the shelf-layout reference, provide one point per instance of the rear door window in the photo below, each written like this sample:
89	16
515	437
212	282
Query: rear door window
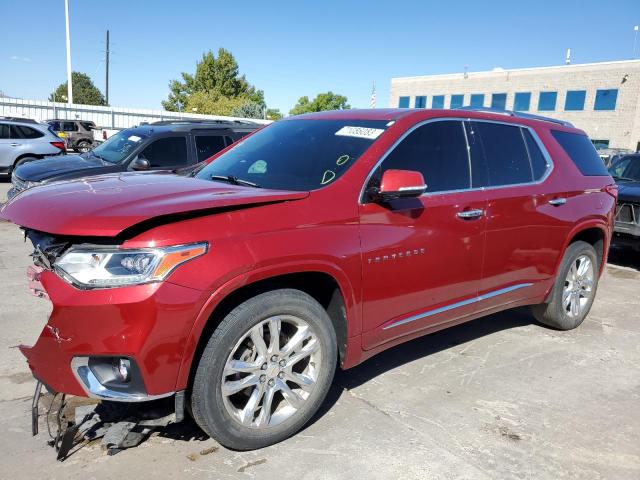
505	154
438	150
208	145
69	127
4	131
582	152
20	131
169	152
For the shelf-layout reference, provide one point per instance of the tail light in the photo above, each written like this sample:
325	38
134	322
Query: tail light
104	135
611	190
59	145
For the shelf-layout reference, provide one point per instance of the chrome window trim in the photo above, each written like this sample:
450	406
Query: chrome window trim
453	306
534	134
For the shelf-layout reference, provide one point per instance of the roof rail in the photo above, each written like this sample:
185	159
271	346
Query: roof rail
512	113
18	119
188	121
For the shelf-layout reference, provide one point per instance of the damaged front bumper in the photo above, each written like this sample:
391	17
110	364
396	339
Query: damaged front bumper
143	327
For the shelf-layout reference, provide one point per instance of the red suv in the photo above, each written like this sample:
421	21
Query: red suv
319	240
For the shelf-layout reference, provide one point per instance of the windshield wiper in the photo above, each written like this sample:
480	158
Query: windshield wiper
234	180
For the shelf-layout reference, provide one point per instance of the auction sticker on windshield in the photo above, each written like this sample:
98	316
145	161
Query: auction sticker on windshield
134	138
360	132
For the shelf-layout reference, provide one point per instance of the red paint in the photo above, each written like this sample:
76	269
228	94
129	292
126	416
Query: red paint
389	264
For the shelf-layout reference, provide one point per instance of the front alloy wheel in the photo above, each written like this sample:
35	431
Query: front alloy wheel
265	370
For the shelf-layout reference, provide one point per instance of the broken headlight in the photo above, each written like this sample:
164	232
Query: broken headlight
98	267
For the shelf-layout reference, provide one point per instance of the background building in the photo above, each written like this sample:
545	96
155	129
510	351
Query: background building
601	98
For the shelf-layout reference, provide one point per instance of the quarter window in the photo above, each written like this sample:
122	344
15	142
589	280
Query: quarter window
438	101
606	99
403	102
505	153
575	100
547	101
167	152
421	101
499	101
581	151
539	163
522	101
438	150
477	100
456	101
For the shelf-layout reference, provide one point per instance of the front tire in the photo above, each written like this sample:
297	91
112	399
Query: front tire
265	370
574	289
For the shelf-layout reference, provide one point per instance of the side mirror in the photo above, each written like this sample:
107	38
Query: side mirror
399	184
140	163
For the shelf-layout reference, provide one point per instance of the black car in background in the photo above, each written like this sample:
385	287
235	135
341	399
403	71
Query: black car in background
168	145
626	172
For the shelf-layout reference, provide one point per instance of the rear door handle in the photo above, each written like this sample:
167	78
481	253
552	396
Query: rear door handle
556	202
470	214
14	144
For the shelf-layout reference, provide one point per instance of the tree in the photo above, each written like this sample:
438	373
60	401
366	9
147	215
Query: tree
248	109
274	114
84	91
215	88
323	101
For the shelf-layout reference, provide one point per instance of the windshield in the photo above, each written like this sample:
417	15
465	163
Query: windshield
296	155
627	168
118	146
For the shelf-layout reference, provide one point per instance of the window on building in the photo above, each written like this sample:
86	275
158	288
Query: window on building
505	153
477	100
581	152
499	101
421	101
547	101
522	101
456	101
403	102
606	99
439	151
575	100
437	101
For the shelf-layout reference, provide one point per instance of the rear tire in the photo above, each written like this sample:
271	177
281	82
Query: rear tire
574	289
83	146
21	161
286	379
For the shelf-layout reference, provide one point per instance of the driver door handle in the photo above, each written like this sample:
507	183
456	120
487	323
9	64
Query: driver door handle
470	214
556	202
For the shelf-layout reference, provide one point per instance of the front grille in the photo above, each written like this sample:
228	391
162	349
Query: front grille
628	213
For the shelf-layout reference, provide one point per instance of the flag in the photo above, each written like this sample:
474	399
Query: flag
372	103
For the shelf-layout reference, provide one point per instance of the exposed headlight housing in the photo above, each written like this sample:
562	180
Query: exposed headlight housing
108	267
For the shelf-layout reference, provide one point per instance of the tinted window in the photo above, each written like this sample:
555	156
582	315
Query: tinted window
403	102
69	127
438	101
297	155
87	125
55	125
538	161
208	145
505	153
581	151
439	151
618	168
522	101
606	99
477	100
631	169
167	152
575	100
456	101
547	101
4	130
20	131
421	102
499	101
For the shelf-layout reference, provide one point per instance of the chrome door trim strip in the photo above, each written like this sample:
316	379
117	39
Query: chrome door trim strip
462	303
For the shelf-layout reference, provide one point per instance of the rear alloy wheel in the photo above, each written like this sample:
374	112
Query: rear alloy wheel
265	371
83	146
574	289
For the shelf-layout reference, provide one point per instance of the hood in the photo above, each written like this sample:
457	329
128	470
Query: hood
628	191
62	167
104	206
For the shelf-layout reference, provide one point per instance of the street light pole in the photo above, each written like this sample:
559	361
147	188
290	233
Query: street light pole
69	82
635	40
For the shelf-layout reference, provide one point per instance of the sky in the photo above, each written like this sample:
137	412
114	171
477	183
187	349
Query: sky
294	48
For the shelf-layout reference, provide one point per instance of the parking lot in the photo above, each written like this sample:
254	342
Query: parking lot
499	397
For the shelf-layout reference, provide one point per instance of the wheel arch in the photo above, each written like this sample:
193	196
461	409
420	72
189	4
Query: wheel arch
327	284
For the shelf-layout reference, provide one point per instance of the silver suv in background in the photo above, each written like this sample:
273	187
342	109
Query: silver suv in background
22	141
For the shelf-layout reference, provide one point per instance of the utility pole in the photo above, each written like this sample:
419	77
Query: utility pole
69	83
635	41
106	61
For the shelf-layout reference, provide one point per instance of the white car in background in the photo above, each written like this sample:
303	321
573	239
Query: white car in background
23	140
